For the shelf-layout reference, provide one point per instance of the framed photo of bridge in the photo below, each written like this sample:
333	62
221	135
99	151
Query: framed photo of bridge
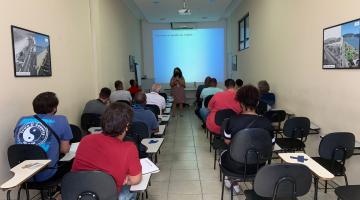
31	53
341	46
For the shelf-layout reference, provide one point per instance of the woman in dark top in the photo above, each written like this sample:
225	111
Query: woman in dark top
248	97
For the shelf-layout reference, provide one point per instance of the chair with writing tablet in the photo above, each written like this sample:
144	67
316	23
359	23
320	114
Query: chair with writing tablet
76	132
88	185
153	108
334	149
18	153
277	117
280	181
206	104
89	120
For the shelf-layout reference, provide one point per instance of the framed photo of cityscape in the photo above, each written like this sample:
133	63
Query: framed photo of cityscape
341	46
31	53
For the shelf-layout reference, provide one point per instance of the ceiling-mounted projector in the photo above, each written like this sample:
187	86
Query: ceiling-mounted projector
185	10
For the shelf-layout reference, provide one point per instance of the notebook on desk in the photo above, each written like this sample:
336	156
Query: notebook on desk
148	166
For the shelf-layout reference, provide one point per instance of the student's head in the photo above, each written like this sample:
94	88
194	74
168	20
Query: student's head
156	87
177	72
239	83
229	83
140	98
45	103
263	87
207	81
248	97
104	93
132	82
118	85
213	82
116	119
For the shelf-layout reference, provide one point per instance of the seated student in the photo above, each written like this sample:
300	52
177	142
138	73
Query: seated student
30	130
155	98
120	93
198	92
239	84
143	115
266	96
221	101
211	90
108	152
248	97
98	106
134	88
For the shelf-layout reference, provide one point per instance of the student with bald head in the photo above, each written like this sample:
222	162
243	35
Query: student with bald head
155	98
143	115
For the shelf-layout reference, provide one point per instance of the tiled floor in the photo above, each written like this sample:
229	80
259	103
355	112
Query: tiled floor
187	165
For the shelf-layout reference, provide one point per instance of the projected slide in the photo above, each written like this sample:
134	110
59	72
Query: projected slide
198	53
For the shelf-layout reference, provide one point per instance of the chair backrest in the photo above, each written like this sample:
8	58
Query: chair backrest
154	108
297	127
285	181
124	101
163	94
275	115
261	108
76	132
138	130
223	126
88	185
17	153
207	100
337	146
223	114
89	120
251	146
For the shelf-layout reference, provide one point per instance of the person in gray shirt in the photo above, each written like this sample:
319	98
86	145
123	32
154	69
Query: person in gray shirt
120	93
98	106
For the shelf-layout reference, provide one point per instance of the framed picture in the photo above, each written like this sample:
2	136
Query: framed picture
341	46
132	63
31	53
234	63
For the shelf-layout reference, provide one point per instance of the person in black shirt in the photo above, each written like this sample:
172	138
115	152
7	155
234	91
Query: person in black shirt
248	96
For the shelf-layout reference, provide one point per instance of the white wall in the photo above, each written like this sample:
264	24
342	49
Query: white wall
148	58
286	49
85	56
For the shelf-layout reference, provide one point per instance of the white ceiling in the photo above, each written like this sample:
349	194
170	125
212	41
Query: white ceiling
165	11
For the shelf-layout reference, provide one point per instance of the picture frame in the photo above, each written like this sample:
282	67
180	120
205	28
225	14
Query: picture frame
132	63
31	53
341	46
234	63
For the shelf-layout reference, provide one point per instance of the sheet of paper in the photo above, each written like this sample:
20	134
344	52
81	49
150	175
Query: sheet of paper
148	166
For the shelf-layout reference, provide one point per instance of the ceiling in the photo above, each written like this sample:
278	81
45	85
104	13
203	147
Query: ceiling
165	11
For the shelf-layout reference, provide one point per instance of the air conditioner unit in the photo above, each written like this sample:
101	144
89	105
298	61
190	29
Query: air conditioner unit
183	25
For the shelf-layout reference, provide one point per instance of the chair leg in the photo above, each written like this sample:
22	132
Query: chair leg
19	193
346	180
326	183
215	158
27	192
220	175
231	191
210	141
222	189
146	194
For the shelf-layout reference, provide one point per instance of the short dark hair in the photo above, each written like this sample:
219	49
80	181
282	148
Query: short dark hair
229	83
116	119
105	92
263	86
207	80
140	98
249	96
118	85
213	82
132	82
239	82
45	103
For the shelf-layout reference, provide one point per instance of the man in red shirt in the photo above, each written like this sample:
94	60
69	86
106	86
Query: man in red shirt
134	88
107	152
221	101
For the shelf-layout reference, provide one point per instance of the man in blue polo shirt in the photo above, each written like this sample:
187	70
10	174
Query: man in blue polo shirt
30	130
143	115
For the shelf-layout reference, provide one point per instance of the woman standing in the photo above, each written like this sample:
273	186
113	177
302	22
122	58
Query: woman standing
177	84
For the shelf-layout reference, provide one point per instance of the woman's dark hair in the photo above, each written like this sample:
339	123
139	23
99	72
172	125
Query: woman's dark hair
180	73
229	83
248	95
118	85
132	82
105	92
207	81
116	119
263	86
45	103
239	82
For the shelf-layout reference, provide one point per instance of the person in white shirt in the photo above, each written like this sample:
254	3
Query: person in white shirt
120	93
155	98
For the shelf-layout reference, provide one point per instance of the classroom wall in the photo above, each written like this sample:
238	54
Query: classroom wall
85	56
116	36
286	49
